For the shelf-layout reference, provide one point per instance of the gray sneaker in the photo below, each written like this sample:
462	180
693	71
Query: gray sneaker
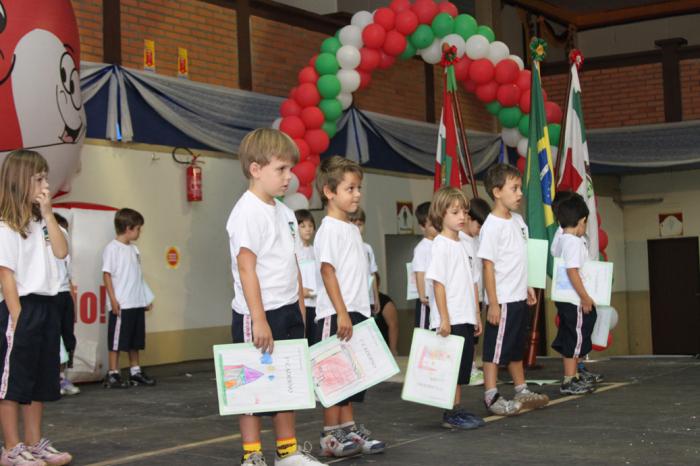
502	407
576	386
255	459
531	400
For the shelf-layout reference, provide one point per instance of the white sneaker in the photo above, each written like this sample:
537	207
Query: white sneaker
67	388
255	459
363	437
19	456
476	378
337	443
302	457
502	407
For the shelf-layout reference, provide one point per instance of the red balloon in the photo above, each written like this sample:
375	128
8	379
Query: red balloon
395	43
387	61
556	320
312	61
290	107
385	17
318	141
308	74
365	79
508	95
293	126
521	164
553	112
602	240
314	158
306	189
425	10
303	147
312	117
369	59
469	85
524	100
605	255
462	68
524	79
373	36
608	345
481	71
400	5
305	172
307	95
406	22
293	93
487	92
507	71
447	7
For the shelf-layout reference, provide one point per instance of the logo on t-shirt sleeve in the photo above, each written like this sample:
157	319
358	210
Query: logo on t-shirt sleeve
292	230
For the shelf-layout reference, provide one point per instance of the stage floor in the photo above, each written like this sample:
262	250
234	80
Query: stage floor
647	412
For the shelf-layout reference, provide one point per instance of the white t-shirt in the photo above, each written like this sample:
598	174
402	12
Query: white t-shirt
421	261
372	268
453	263
572	250
31	259
339	244
309	269
504	242
63	267
474	243
272	234
123	263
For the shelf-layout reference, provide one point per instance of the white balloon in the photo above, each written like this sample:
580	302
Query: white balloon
477	47
522	147
362	18
510	136
276	123
349	80
517	60
457	41
351	35
433	53
293	185
497	51
613	318
555	153
348	57
345	100
296	201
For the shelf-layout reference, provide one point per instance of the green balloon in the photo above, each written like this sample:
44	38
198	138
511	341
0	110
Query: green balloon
328	86
554	130
330	128
331	108
465	26
493	107
443	24
422	37
509	116
486	32
330	45
326	63
408	52
524	126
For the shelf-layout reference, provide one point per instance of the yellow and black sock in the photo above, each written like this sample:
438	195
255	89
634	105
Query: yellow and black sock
286	447
250	448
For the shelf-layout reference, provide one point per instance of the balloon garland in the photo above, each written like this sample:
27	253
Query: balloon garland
374	41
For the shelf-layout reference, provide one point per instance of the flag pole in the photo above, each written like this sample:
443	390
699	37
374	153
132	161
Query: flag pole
465	148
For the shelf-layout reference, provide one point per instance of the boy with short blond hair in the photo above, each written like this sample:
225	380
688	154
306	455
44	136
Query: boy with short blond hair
268	303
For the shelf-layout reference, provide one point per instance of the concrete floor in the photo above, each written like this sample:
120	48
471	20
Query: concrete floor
647	412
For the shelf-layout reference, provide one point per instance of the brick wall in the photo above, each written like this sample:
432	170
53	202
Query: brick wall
89	16
690	89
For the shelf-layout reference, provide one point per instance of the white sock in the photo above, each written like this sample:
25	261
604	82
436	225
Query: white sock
135	370
347	425
327	429
521	388
489	395
113	372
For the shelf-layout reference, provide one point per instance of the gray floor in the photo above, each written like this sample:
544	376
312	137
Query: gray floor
648	413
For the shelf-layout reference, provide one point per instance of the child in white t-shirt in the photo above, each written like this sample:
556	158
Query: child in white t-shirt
419	265
343	301
359	219
454	307
308	267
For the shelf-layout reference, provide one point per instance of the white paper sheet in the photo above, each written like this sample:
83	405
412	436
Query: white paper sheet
597	278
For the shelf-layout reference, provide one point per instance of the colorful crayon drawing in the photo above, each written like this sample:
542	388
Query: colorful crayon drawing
239	375
433	359
337	370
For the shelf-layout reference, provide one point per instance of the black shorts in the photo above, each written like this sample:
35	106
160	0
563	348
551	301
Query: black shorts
30	355
573	338
465	365
327	327
422	315
127	331
66	312
310	326
505	342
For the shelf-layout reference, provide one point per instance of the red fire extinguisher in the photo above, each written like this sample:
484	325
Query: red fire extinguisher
193	178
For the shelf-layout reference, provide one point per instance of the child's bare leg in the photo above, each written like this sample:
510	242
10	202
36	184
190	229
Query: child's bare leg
284	425
490	375
133	358
9	419
250	428
346	414
517	372
331	416
114	360
31	415
458	395
570	367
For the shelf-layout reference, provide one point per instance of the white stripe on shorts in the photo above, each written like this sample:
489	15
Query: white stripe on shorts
247	329
501	333
117	330
579	335
326	328
422	316
10	337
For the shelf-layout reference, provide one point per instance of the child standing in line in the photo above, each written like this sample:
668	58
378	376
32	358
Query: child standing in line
30	241
419	265
343	301
455	307
308	268
359	219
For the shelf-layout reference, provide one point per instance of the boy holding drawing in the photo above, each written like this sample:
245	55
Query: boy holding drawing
269	302
575	321
454	311
503	250
419	264
343	301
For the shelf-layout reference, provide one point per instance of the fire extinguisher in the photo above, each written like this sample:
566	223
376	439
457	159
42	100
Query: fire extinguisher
193	178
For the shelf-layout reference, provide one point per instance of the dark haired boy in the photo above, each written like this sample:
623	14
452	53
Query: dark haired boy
419	265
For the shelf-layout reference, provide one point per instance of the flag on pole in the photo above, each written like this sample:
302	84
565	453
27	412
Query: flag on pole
575	171
539	172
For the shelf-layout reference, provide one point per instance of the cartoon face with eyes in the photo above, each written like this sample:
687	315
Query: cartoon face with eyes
40	103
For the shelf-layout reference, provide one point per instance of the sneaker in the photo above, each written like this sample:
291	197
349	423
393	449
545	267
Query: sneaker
502	407
476	378
363	437
589	376
52	457
140	378
255	459
67	388
576	386
114	381
454	420
337	443
19	456
531	400
465	415
302	457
